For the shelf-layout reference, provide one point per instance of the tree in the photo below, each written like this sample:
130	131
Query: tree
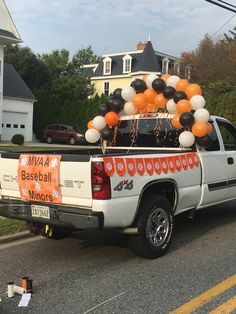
56	62
28	65
211	61
82	57
213	66
226	106
231	37
213	95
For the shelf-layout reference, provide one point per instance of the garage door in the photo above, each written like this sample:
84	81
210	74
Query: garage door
13	123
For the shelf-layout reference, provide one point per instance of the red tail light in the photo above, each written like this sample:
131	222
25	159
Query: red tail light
101	185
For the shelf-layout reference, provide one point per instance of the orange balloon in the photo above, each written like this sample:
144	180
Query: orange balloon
200	129
90	125
151	107
165	76
183	105
181	85
160	101
210	128
111	118
150	95
175	122
139	101
192	90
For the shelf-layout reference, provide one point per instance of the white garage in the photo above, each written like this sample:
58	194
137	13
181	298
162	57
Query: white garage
13	123
17	106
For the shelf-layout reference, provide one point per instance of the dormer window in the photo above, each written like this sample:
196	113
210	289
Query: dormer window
165	65
107	66
127	62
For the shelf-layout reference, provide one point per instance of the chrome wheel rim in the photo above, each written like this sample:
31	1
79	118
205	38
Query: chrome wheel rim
157	227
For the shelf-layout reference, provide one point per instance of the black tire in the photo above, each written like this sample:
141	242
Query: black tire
49	139
72	141
155	223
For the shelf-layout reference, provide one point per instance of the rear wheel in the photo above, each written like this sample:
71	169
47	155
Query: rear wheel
72	141
49	139
155	224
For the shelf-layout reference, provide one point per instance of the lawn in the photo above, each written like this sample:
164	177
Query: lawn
10	226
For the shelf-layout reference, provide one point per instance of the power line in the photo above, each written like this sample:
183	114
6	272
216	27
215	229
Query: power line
223	6
223	25
231	5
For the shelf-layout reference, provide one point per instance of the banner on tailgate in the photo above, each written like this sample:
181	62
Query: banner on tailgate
150	166
38	178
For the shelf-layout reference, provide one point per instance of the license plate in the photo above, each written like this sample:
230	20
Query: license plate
40	211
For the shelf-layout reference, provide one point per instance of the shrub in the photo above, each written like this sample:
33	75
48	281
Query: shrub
18	139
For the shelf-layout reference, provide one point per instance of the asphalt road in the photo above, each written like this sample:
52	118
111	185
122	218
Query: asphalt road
95	272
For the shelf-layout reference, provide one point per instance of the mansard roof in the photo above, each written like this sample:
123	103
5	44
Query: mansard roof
146	60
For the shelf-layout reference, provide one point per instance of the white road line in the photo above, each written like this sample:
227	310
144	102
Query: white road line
20	242
93	308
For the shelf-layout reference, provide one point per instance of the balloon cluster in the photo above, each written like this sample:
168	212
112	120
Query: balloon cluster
102	125
151	94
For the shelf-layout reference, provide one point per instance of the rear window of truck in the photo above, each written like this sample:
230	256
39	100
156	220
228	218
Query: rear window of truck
146	133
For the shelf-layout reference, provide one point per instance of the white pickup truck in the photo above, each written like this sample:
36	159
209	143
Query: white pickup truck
138	184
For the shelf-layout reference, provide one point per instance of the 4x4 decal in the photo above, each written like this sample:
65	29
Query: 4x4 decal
125	184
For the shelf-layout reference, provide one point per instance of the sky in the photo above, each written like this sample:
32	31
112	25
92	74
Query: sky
114	26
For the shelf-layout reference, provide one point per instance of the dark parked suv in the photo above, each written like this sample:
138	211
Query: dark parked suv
63	133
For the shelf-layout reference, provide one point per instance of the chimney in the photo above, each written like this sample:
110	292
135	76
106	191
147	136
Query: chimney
141	45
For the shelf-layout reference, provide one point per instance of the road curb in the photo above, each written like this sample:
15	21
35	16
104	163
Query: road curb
15	236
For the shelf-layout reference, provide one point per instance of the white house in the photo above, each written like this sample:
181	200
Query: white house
16	99
17	105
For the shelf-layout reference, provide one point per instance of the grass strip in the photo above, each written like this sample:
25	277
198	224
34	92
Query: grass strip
11	226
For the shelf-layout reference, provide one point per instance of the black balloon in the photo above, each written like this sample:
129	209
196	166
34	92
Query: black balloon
139	85
158	85
186	119
205	141
109	102
168	92
116	105
103	109
117	93
178	96
107	134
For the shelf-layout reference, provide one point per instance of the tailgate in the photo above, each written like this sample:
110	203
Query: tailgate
74	178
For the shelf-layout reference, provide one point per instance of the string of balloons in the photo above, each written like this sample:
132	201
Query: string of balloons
168	93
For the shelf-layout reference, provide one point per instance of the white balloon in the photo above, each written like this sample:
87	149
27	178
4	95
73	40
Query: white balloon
99	122
171	106
172	80
150	78
197	102
186	139
128	93
129	108
201	115
92	135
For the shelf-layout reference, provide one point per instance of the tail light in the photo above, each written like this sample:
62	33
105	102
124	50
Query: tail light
101	185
